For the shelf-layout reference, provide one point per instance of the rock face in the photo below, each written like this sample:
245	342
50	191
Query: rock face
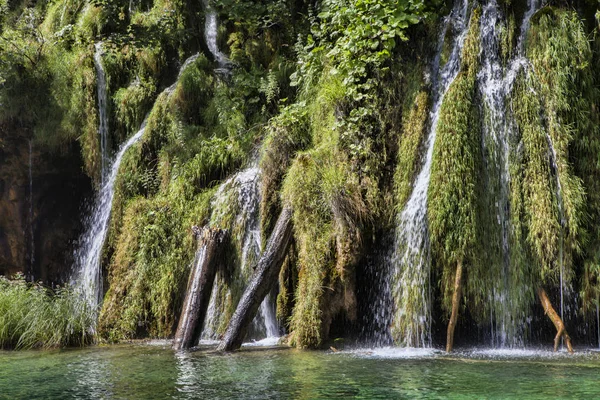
39	217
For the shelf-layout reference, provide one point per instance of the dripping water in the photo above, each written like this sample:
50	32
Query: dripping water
210	35
87	271
31	234
245	187
496	84
411	257
102	111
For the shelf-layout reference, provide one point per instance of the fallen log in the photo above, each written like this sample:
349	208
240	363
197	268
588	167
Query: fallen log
199	288
263	280
556	320
455	306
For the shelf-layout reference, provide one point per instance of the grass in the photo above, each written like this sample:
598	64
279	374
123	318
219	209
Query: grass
32	316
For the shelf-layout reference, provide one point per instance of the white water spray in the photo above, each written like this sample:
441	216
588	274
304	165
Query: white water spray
245	187
210	34
496	84
411	257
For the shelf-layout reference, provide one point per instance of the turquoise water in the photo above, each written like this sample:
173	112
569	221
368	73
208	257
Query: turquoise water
154	371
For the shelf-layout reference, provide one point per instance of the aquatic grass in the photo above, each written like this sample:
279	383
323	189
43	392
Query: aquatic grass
32	316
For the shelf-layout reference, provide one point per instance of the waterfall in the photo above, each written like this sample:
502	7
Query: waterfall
210	34
496	84
88	255
102	111
87	270
411	257
31	231
244	189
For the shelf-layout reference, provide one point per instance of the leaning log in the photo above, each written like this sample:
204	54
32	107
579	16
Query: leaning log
556	320
199	289
455	306
265	276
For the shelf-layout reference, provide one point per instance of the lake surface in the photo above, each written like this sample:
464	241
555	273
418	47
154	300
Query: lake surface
154	371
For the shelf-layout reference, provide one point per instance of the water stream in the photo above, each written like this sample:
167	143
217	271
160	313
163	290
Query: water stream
102	111
411	258
210	34
496	83
562	222
241	192
88	255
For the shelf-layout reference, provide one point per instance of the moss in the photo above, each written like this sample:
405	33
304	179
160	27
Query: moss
288	281
194	91
131	104
414	130
74	91
90	23
328	207
150	266
287	134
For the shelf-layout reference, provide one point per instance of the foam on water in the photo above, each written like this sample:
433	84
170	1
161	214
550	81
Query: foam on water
266	342
394	352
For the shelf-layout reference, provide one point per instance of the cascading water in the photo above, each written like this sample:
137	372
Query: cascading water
210	34
496	84
245	188
88	256
87	271
102	111
412	318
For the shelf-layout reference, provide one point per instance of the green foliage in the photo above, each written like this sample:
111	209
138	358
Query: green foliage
553	118
32	316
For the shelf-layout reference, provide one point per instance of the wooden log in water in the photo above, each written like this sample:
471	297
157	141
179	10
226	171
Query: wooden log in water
199	289
265	276
561	331
455	306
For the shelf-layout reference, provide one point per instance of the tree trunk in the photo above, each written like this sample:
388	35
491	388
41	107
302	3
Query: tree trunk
262	282
556	320
455	306
199	289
